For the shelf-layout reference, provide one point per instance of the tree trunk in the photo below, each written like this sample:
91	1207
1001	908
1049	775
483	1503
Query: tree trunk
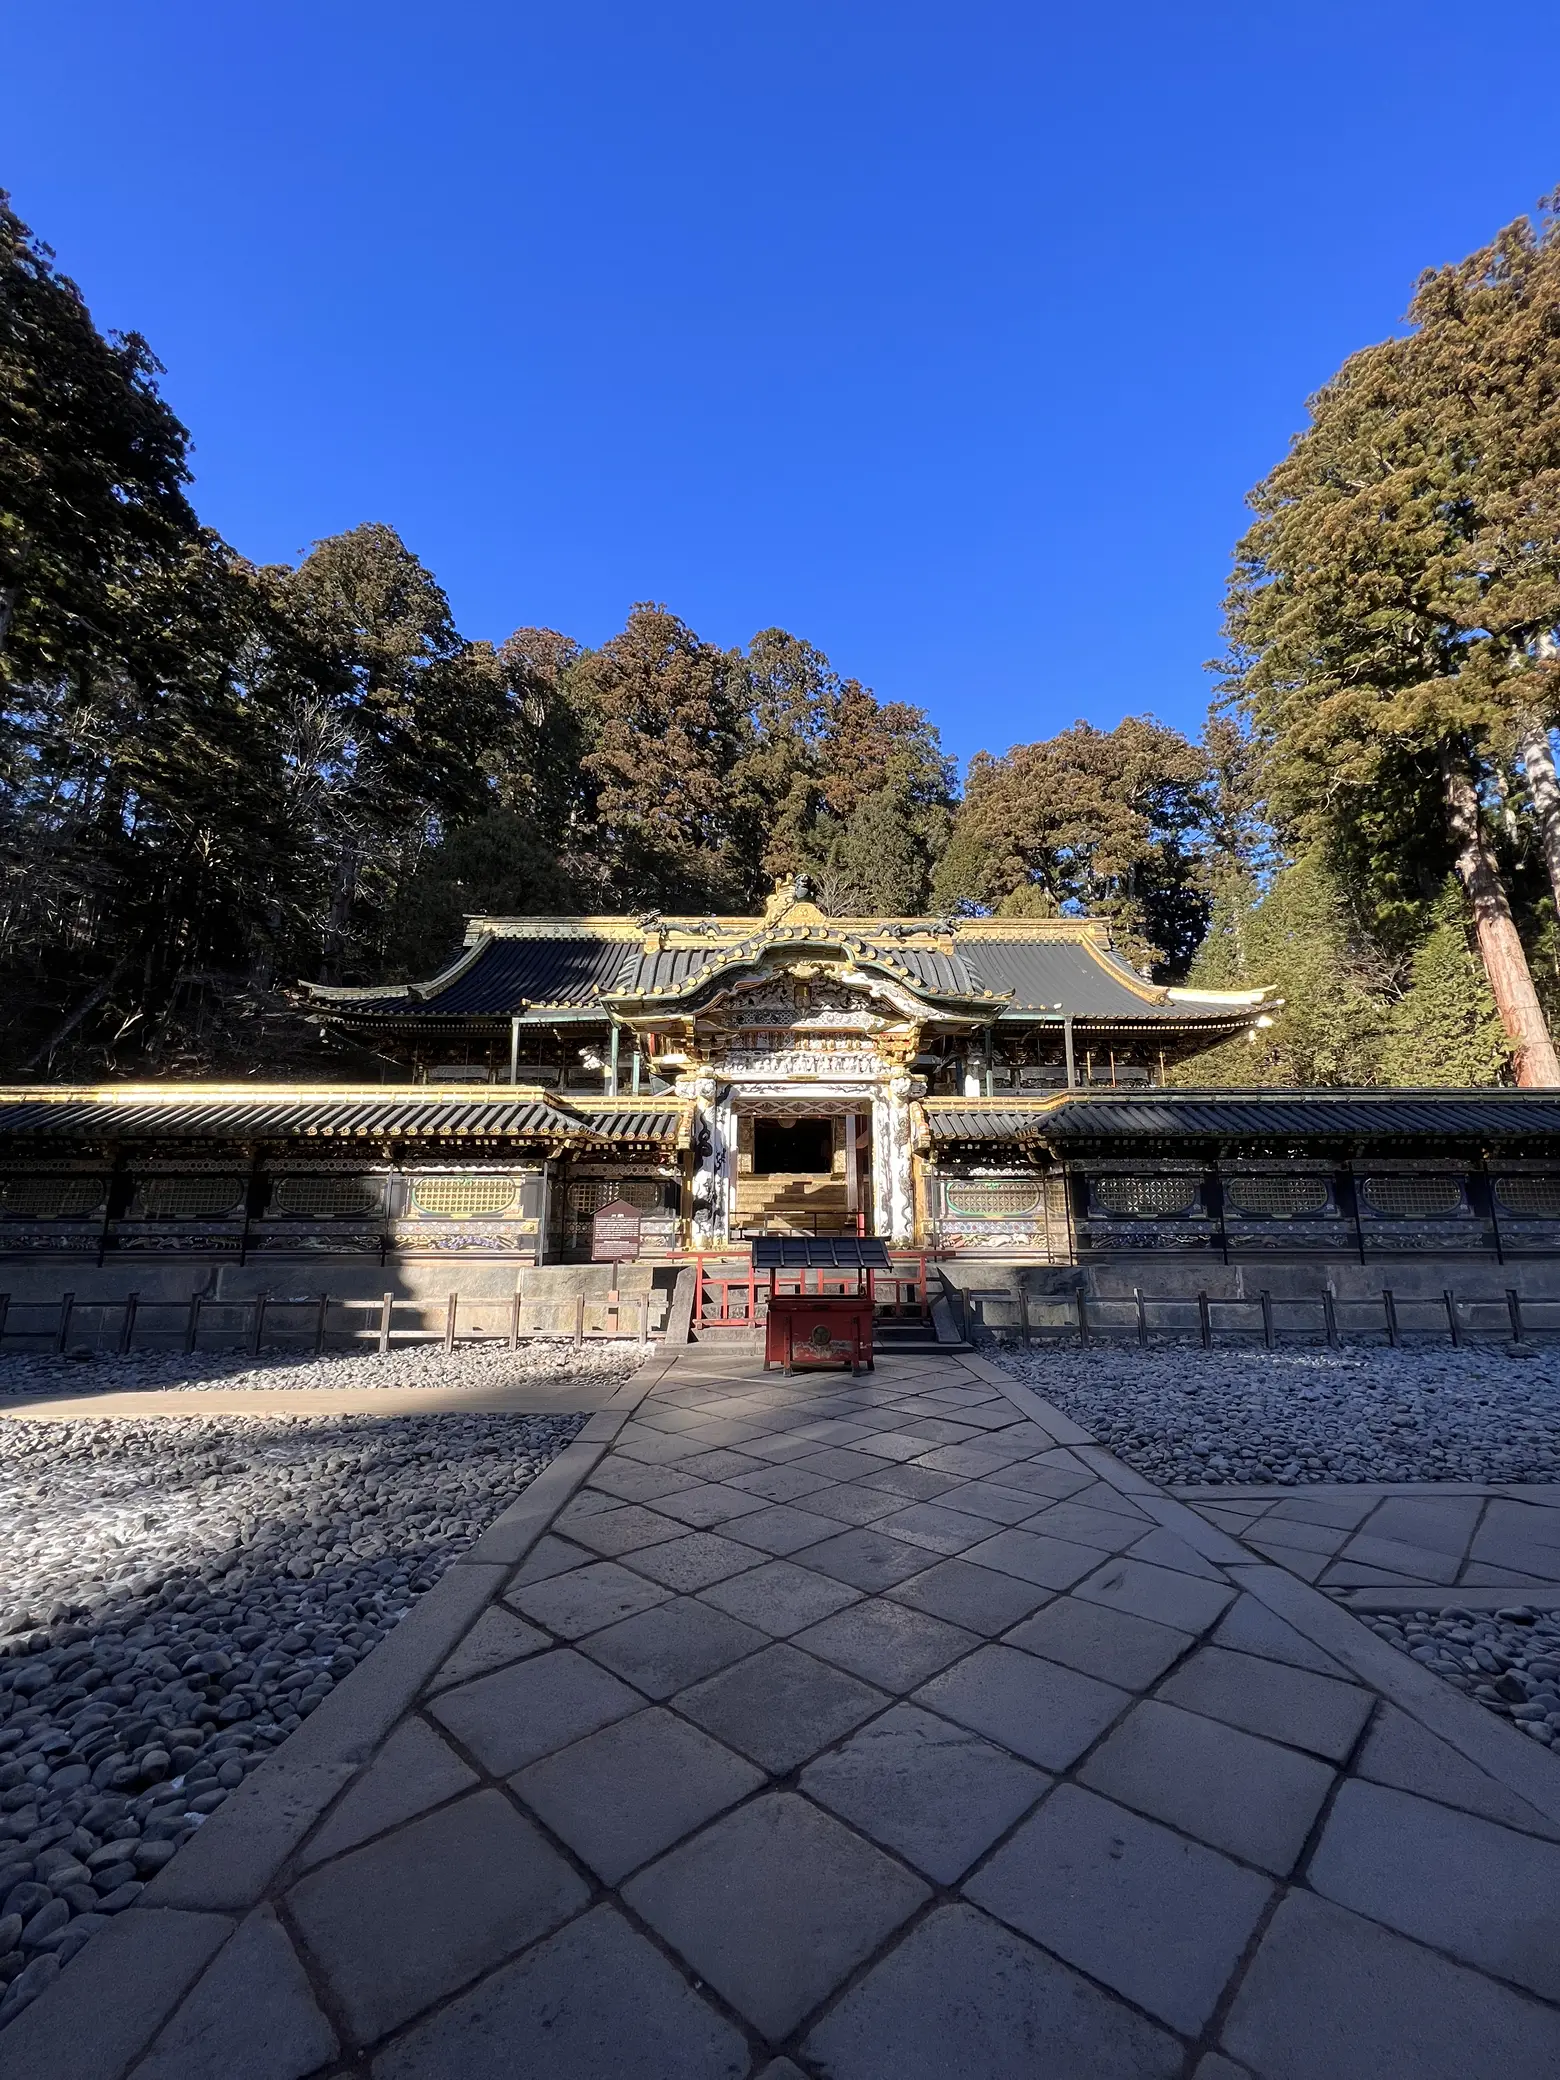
87	1005
1505	962
1538	760
10	594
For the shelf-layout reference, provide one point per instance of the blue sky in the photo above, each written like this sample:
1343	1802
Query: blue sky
948	338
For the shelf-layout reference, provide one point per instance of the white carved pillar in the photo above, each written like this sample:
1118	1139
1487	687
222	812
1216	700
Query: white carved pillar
893	1187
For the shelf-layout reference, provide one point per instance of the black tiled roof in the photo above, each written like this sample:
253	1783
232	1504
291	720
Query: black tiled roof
647	973
328	1117
504	975
984	1123
1040	974
1480	1115
649	1125
951	977
512	972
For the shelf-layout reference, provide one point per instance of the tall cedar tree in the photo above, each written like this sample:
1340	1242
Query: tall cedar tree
1108	822
662	712
1355	1012
408	716
1393	611
135	785
92	472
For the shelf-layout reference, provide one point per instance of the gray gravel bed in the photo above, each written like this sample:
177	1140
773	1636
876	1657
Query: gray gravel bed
180	1594
411	1365
1216	1418
1508	1661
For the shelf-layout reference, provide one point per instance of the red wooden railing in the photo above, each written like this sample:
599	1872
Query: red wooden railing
730	1294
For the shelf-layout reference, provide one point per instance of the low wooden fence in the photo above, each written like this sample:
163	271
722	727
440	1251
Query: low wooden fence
270	1320
1389	1318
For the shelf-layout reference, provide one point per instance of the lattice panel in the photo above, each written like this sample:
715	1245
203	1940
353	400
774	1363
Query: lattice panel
1277	1197
51	1198
993	1199
1148	1198
1413	1198
587	1193
1530	1198
320	1197
459	1198
187	1198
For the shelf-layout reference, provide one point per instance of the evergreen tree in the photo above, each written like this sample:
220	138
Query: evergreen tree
1394	606
1353	1013
663	714
1111	823
497	866
1298	935
93	466
876	862
411	713
1445	1028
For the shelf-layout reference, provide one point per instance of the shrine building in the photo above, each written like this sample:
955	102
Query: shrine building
980	1088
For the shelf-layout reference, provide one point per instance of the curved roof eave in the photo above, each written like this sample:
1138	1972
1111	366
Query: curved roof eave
1265	998
403	992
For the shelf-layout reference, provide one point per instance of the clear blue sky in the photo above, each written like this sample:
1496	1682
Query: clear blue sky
947	337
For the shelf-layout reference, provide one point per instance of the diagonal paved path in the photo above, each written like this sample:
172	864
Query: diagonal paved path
864	1729
1387	1546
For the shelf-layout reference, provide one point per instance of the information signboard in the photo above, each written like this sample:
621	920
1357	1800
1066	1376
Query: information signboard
614	1233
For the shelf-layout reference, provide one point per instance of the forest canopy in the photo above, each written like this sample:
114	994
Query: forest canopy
218	778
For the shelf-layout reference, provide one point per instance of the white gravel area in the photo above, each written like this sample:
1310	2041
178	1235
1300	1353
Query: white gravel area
179	1593
412	1365
1506	1660
1217	1418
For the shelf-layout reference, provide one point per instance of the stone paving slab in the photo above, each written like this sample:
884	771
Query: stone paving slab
965	1750
1399	1546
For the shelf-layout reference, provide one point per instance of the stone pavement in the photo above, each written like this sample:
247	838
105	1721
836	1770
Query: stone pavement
1406	1545
867	1729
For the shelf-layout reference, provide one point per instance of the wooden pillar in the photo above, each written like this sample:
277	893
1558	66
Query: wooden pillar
1067	1046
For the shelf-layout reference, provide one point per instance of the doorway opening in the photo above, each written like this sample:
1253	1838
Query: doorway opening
793	1147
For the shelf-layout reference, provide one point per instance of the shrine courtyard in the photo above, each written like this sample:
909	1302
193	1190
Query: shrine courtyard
851	1727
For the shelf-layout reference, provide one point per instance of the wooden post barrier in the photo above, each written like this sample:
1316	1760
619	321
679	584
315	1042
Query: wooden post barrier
319	1323
1389	1308
387	1301
67	1307
1265	1301
1023	1312
127	1322
514	1320
1513	1308
257	1330
192	1326
449	1323
1142	1316
1083	1321
1452	1322
1205	1321
579	1320
1330	1318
